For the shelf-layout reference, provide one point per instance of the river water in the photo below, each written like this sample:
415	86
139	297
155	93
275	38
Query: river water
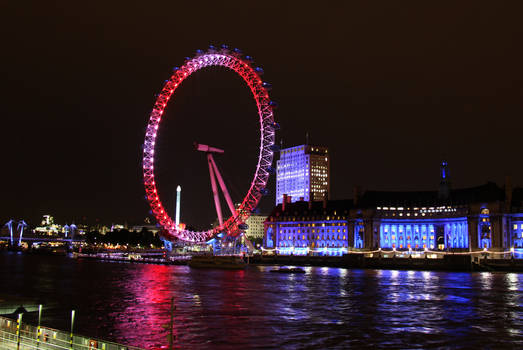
323	308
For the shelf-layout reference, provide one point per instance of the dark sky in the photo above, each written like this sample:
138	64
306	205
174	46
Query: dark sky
391	87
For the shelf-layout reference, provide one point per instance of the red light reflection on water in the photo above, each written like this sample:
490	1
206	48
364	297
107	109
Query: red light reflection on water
146	318
206	300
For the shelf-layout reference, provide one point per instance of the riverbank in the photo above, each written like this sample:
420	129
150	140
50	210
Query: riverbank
136	258
350	261
458	262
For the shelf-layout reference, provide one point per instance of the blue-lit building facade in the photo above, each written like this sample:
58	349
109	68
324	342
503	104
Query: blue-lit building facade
469	219
516	219
302	173
309	228
452	220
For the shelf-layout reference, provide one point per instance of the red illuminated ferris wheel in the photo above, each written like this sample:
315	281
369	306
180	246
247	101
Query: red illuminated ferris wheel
242	65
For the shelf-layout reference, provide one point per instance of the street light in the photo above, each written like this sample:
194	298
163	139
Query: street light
38	330
72	324
18	331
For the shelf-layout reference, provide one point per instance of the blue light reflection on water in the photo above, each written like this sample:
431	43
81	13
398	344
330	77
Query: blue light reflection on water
323	308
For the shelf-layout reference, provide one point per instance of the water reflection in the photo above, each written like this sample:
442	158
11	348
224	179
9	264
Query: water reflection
322	308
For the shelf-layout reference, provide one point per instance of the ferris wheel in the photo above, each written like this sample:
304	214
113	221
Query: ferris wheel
242	65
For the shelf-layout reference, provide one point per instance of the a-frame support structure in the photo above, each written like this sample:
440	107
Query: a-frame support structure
214	174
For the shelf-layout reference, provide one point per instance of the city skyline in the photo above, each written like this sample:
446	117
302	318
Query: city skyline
391	91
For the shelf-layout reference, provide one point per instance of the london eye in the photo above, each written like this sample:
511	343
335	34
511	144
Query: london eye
243	66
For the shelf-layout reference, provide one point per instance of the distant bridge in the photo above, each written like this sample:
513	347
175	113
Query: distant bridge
46	239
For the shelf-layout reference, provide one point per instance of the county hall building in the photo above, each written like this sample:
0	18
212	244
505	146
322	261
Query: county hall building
459	220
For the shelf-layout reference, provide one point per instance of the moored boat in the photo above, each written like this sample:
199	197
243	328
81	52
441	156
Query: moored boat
289	270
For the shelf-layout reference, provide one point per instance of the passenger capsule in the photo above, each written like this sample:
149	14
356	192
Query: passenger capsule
266	85
273	104
259	70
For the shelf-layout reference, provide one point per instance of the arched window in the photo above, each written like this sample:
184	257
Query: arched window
359	231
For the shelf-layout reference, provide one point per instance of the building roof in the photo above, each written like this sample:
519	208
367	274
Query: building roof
488	192
302	208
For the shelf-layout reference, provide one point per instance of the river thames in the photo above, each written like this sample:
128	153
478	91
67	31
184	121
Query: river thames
219	309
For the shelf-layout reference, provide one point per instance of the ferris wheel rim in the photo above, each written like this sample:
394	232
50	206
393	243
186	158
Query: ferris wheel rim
251	76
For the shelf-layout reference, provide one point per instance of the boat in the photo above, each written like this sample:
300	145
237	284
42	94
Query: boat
229	262
289	270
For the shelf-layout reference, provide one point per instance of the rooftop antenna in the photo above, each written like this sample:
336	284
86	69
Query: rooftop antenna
307	138
444	185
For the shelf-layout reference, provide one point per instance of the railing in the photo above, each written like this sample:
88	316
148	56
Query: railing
27	337
507	254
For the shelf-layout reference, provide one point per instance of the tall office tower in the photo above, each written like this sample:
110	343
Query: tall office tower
303	172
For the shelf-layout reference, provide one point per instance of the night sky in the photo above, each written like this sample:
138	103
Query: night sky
391	87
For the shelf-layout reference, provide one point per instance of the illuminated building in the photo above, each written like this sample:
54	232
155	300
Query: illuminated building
47	220
302	172
309	228
115	227
48	227
453	220
464	219
515	223
151	228
256	228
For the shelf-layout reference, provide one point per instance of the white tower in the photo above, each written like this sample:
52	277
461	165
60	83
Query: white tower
178	193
